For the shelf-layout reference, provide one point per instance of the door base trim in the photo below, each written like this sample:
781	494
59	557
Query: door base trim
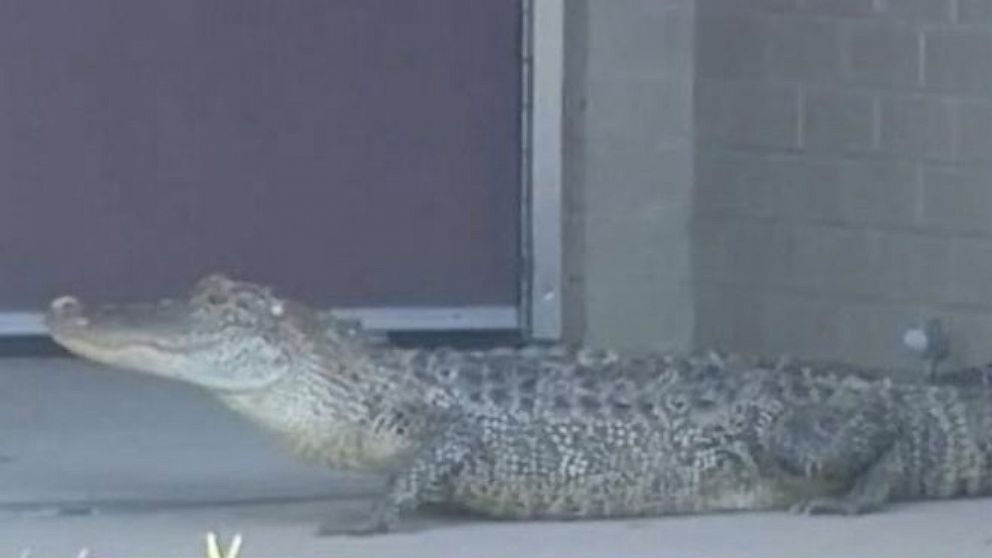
417	318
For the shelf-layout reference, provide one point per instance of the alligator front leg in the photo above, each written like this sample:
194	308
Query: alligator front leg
382	518
422	480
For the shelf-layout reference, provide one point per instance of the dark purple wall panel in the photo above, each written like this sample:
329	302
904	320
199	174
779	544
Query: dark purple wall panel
356	152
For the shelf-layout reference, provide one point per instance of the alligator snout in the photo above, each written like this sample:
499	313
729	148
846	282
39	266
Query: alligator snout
66	310
66	304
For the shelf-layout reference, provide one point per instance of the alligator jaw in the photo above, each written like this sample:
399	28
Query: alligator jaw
148	338
115	327
228	336
121	336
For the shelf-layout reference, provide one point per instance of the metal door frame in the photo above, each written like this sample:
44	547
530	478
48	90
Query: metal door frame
538	314
541	159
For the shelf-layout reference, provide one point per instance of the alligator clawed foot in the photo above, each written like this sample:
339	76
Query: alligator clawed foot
370	526
379	520
829	506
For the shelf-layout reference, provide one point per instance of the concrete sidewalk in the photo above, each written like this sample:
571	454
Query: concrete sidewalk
128	466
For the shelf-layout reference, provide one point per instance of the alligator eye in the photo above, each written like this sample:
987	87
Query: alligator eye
216	299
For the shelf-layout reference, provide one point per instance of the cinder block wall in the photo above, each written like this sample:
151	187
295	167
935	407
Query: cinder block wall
628	172
843	176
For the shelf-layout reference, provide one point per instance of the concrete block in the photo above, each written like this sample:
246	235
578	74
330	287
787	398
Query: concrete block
733	184
710	255
971	271
638	37
724	7
743	253
641	110
678	35
917	127
969	331
730	47
761	115
957	199
974	11
805	49
957	61
911	266
833	260
838	121
924	11
807	190
881	193
840	8
620	250
632	180
802	327
728	318
710	110
638	316
974	133
884	55
636	281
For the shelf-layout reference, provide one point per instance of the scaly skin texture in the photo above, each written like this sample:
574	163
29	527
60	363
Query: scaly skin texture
543	433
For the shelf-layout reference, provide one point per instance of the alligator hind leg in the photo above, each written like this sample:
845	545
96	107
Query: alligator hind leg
832	447
869	493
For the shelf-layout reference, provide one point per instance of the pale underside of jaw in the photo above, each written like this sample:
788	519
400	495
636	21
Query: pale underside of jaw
132	342
171	361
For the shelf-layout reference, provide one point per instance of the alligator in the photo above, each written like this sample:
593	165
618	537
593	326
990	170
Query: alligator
547	433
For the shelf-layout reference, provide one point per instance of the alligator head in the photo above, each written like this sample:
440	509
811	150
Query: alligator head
226	335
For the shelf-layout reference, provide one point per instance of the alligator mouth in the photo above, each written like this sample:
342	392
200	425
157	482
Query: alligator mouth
162	328
168	340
